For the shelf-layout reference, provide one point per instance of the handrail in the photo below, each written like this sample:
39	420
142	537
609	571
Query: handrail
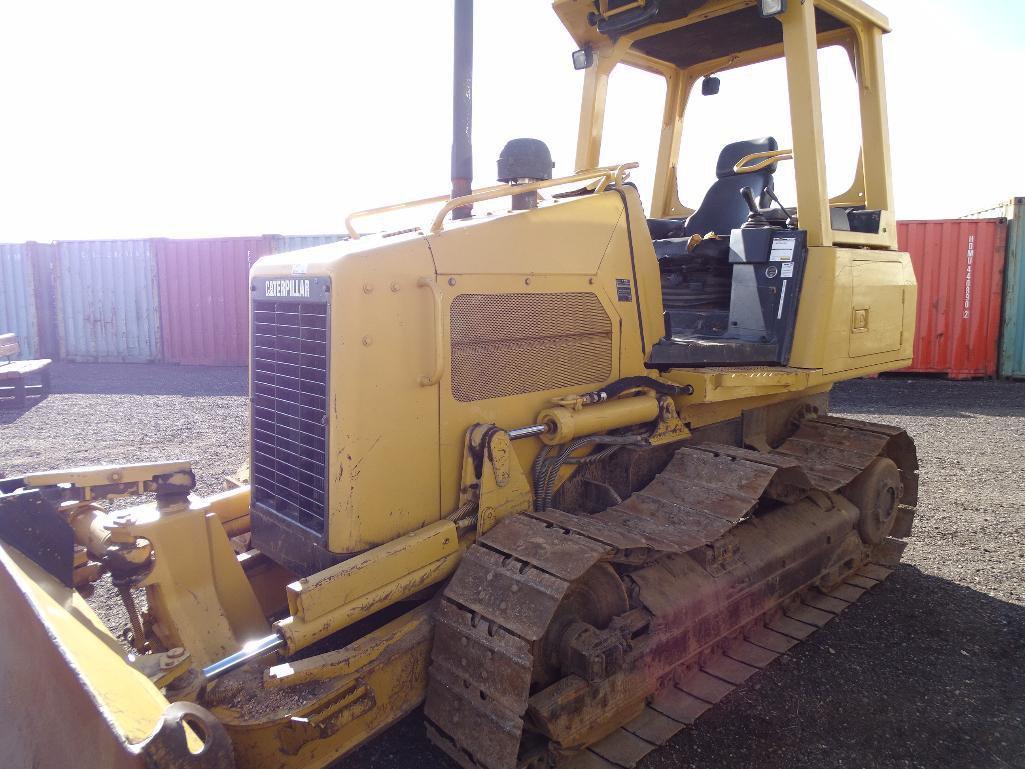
386	210
772	156
400	206
607	174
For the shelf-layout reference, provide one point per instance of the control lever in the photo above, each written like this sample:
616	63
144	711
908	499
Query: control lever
771	193
755	218
749	198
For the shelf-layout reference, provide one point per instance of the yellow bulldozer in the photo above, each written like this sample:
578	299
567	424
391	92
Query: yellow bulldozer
563	474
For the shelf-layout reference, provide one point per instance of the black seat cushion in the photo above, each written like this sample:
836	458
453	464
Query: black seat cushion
673	253
661	229
723	209
671	248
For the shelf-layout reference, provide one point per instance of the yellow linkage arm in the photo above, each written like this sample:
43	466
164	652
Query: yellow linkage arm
335	598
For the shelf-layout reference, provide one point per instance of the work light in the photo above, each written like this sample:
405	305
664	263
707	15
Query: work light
770	8
583	58
710	86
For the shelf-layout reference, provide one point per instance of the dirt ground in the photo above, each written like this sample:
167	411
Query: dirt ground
927	671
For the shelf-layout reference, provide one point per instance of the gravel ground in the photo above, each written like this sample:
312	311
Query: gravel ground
927	671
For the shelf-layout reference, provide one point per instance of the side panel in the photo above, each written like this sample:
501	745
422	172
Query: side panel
857	311
960	265
877	323
564	253
108	308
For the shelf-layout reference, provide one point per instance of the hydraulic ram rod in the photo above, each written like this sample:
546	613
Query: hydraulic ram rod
526	432
250	651
328	601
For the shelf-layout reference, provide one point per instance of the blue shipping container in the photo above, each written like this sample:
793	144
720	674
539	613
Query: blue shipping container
283	243
1012	346
17	298
107	303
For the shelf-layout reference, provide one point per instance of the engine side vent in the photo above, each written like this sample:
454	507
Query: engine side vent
510	344
289	409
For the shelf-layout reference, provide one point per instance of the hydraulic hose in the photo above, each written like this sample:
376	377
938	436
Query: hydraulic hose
546	471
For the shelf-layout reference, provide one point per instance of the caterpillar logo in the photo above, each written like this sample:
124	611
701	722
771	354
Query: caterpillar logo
298	288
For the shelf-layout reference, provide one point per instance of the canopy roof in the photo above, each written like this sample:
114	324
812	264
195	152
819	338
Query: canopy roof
684	33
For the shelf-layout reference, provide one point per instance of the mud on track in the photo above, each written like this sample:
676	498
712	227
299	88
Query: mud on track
926	671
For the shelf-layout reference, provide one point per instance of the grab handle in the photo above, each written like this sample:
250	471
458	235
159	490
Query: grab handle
439	333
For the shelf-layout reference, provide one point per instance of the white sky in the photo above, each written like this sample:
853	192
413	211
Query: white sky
135	119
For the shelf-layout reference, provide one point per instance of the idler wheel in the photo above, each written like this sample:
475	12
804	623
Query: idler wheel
593	601
876	493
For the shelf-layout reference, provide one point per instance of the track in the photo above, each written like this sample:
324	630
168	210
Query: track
590	640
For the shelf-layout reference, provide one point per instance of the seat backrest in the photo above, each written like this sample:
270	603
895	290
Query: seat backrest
9	346
723	209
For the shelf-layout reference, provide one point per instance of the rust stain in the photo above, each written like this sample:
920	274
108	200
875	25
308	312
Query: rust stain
361	460
341	464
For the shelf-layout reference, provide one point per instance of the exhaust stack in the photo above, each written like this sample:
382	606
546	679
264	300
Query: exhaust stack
462	105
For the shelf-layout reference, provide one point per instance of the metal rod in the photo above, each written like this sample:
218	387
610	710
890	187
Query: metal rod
462	106
526	432
250	651
138	634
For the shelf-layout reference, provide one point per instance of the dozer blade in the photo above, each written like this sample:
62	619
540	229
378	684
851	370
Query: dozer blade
748	553
69	697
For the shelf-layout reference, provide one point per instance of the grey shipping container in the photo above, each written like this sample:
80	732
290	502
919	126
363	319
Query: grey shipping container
107	301
17	297
1012	343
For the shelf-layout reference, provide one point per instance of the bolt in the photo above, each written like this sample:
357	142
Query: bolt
368	340
591	281
176	652
451	281
368	288
526	281
395	287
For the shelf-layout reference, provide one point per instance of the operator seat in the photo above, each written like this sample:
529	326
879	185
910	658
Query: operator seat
723	208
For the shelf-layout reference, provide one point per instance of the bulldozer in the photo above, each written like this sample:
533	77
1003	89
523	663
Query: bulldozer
562	474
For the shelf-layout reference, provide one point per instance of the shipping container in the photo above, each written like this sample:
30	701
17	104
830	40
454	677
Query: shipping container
44	278
204	298
959	264
107	307
283	243
1012	347
17	298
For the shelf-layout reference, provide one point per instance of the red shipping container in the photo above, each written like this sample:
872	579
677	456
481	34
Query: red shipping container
959	264
204	298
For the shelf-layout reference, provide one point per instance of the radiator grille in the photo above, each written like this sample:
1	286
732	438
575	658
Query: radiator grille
289	421
510	344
